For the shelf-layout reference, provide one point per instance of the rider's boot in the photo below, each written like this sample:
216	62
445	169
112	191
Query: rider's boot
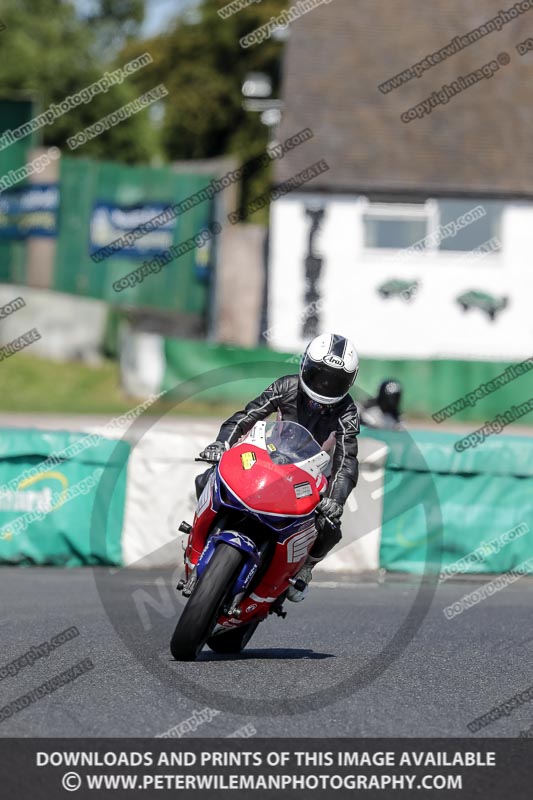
305	574
328	536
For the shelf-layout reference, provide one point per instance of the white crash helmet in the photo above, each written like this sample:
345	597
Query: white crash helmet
329	368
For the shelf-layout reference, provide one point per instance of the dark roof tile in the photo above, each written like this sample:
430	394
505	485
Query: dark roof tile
480	142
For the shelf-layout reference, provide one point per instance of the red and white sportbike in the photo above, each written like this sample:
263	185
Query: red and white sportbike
253	528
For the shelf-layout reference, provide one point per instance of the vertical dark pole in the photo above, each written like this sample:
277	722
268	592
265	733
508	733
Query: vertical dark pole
313	268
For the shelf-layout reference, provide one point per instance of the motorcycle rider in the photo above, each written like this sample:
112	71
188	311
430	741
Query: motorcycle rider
318	399
384	410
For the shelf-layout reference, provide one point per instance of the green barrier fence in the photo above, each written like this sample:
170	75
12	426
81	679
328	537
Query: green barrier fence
440	505
432	384
428	385
187	359
46	518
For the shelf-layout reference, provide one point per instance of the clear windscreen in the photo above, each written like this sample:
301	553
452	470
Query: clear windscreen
289	443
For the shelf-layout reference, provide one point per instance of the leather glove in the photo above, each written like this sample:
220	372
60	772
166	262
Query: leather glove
330	508
213	452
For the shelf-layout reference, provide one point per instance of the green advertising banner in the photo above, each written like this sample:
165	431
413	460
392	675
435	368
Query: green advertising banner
49	498
93	194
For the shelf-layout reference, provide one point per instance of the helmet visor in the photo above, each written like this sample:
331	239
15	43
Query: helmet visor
326	381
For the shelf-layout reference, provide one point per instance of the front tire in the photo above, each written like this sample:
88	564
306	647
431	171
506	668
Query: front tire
205	603
232	641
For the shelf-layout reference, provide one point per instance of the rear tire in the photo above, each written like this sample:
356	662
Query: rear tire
233	641
205	603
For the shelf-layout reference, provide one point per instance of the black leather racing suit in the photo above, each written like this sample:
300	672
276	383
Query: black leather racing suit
334	427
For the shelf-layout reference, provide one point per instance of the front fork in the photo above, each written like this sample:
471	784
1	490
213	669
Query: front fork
233	539
187	584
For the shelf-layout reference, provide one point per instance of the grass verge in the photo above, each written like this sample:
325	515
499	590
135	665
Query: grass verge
37	385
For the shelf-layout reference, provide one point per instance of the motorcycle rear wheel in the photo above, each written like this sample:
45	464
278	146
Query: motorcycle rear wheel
205	603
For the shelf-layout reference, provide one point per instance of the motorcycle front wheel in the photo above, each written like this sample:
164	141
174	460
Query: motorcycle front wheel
205	604
232	641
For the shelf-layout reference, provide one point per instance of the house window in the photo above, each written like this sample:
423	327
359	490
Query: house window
434	225
470	224
397	225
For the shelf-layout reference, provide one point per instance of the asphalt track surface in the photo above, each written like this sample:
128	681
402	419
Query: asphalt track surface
451	671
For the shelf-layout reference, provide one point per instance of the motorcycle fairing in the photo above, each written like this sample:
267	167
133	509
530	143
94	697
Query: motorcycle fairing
282	497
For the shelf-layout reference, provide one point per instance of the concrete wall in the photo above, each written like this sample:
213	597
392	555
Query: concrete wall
71	328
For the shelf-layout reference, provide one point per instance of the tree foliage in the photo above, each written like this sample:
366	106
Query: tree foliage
48	54
49	51
203	66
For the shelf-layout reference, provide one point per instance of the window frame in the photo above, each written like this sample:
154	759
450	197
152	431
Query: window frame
381	210
429	210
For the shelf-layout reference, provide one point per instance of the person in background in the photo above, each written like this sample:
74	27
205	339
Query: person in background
384	411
